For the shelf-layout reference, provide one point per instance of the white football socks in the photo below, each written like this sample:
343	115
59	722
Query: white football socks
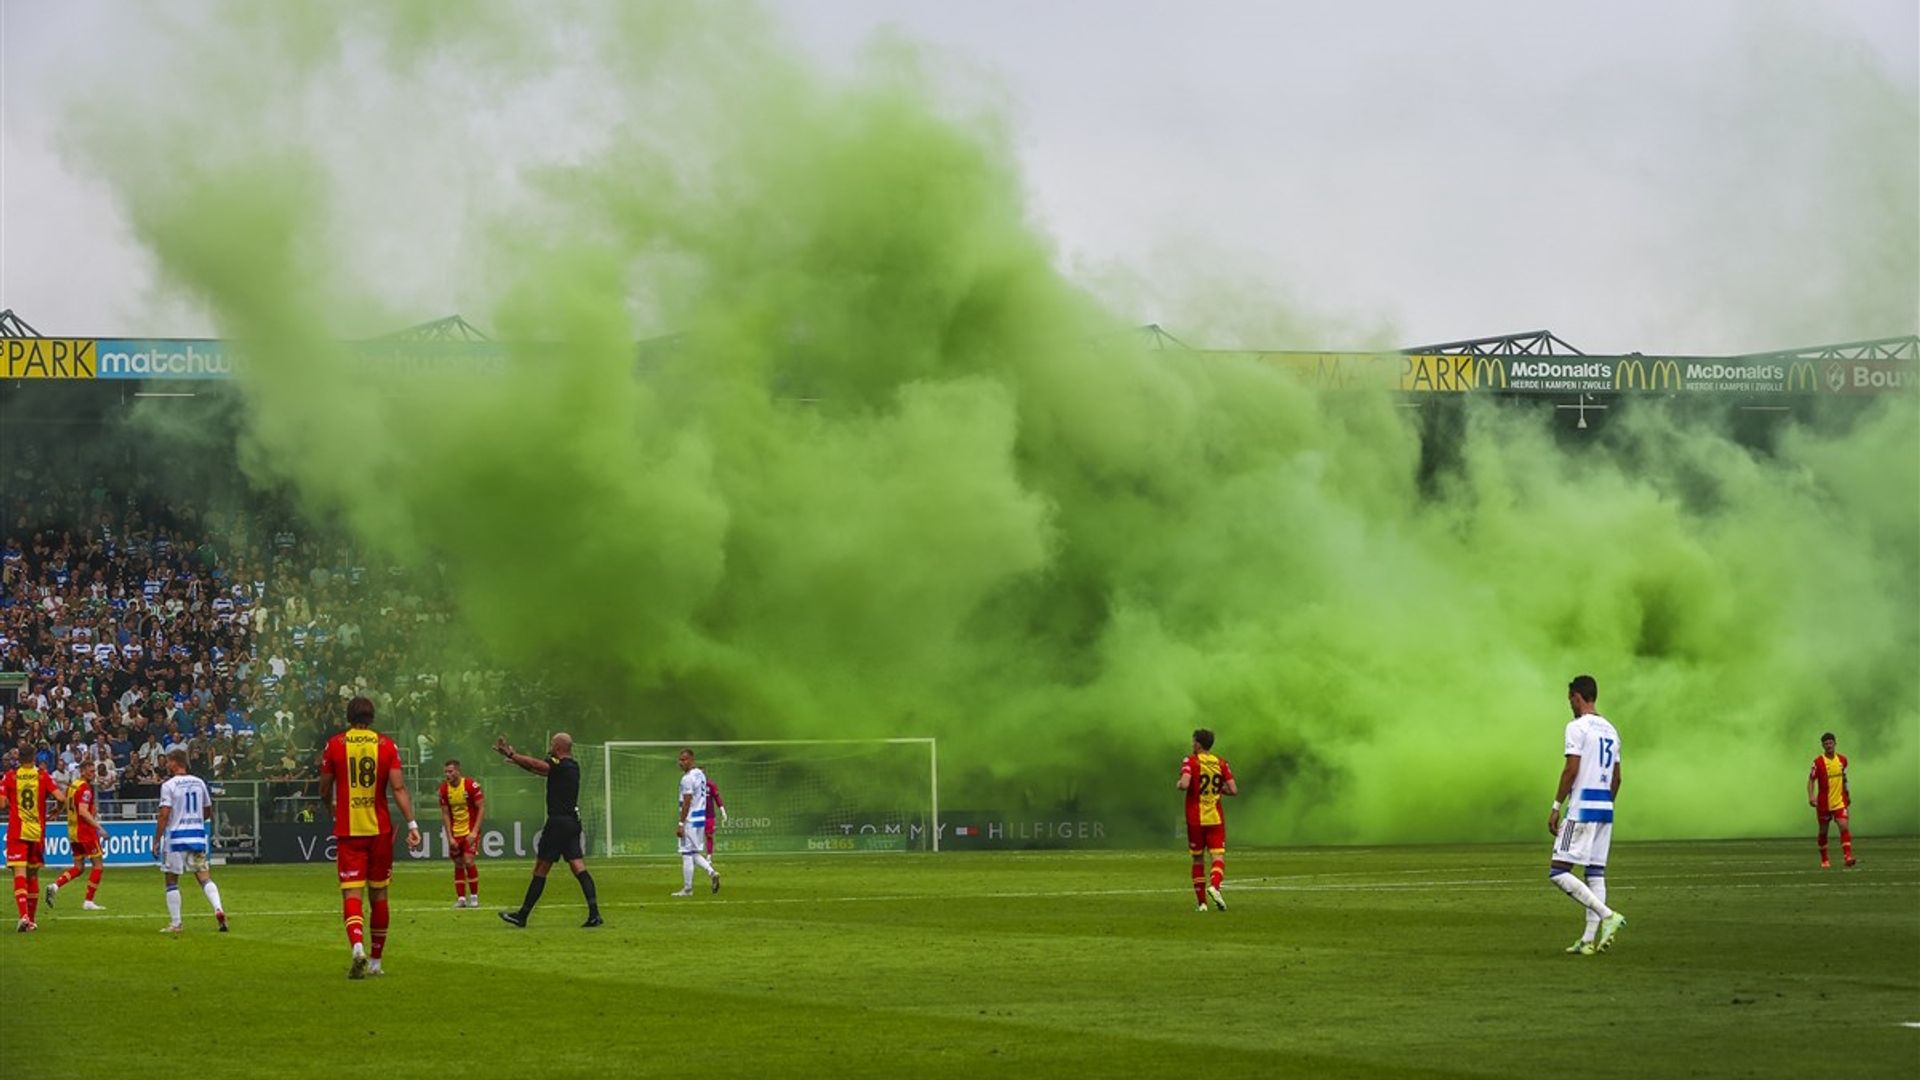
173	905
703	863
1597	885
213	894
686	872
1577	889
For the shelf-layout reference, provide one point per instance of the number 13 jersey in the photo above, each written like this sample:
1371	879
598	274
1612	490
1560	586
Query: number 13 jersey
1598	745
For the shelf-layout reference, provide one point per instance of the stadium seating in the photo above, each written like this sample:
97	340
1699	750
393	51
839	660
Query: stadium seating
142	623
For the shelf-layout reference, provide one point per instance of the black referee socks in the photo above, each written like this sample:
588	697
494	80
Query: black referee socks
586	888
534	889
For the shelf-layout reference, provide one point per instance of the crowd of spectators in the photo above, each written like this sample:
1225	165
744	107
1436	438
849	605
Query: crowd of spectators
142	623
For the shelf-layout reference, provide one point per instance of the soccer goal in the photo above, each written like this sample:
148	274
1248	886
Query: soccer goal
781	795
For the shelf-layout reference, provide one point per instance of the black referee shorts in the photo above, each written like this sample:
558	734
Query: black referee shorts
560	840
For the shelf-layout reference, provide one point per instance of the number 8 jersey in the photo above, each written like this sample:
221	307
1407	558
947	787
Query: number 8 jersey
360	759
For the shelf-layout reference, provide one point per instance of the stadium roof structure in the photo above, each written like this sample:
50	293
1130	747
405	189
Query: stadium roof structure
1155	336
12	325
451	328
1891	348
1528	343
1543	343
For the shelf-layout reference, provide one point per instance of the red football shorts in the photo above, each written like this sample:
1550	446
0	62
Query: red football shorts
85	848
365	861
27	853
1206	838
463	846
1839	815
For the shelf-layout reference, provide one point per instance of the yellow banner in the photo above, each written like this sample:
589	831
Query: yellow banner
1450	374
47	358
1335	371
1640	373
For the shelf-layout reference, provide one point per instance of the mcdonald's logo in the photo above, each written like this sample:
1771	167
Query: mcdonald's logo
1801	376
1488	371
1633	373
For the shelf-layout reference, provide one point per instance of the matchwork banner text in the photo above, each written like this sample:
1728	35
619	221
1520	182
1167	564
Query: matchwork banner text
176	358
206	359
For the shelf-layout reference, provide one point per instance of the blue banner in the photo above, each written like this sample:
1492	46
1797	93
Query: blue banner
162	358
208	359
127	843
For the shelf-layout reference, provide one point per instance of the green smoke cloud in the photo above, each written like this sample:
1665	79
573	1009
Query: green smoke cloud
899	476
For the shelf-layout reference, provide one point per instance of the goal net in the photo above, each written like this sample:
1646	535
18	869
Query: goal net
781	795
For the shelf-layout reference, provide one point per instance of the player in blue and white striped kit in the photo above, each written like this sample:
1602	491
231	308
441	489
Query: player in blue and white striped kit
181	837
692	829
1588	783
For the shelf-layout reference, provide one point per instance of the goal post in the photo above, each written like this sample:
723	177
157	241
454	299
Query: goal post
781	795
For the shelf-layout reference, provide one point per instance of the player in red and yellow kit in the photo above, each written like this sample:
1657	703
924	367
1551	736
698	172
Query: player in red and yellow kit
462	806
358	769
1829	796
84	833
29	794
1206	778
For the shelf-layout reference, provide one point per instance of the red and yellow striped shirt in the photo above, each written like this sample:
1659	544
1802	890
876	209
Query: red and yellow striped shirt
29	790
361	761
80	797
1208	775
458	803
1830	773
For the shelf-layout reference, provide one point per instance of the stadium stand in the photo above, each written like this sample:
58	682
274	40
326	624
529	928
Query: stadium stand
141	622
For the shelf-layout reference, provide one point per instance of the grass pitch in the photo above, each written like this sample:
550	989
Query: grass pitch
1739	959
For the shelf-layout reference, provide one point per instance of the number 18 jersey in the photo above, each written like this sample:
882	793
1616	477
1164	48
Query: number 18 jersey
360	760
1598	745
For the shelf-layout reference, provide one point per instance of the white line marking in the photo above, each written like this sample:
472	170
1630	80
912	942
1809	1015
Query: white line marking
1487	884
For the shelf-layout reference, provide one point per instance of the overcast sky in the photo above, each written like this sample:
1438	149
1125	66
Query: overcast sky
1706	177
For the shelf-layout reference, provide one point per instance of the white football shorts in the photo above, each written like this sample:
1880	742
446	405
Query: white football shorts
1583	843
184	862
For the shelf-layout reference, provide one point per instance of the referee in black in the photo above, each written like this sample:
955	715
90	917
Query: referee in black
560	836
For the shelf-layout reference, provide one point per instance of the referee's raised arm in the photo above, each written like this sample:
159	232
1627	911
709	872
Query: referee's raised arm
537	766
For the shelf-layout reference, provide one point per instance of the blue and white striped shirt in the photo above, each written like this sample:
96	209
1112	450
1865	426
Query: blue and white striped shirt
693	783
1597	744
187	799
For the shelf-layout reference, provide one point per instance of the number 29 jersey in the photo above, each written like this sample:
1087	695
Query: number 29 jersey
360	760
1593	738
1207	776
